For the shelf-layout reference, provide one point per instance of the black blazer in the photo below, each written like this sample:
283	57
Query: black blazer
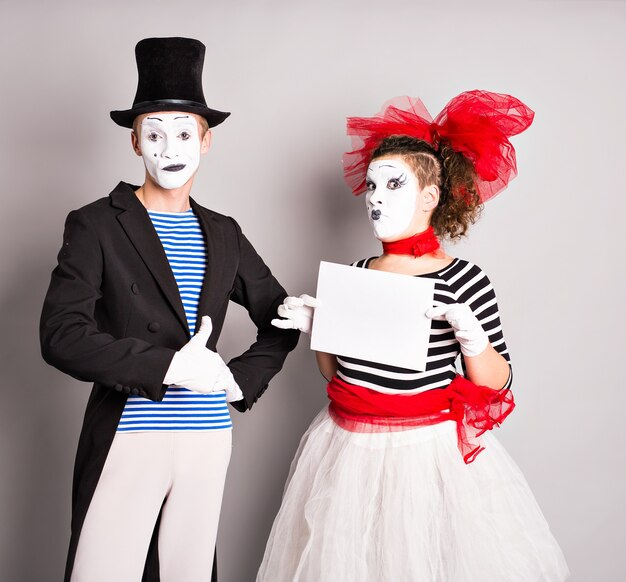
113	316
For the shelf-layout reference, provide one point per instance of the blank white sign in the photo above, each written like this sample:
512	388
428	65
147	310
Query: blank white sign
372	315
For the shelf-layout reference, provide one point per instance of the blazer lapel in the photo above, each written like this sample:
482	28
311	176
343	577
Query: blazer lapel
216	249
140	230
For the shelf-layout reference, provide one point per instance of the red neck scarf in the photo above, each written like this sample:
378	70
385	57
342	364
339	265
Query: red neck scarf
417	245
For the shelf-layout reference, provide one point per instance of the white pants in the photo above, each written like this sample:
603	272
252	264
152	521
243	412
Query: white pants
182	471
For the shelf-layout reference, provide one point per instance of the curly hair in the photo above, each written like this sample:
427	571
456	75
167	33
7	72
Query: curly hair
453	173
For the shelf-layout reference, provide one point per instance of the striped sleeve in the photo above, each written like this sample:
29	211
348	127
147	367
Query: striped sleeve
473	287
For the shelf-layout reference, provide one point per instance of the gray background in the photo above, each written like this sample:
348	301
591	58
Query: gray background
291	72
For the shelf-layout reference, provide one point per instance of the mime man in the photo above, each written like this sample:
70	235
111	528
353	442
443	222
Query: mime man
139	272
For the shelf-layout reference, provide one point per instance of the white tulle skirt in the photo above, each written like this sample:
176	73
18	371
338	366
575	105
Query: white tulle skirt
404	507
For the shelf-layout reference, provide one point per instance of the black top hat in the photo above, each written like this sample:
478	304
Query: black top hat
170	79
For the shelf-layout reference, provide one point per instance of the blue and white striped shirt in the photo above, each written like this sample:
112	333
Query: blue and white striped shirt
180	409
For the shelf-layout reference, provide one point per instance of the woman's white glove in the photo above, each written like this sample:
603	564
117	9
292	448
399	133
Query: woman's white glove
467	329
298	313
199	369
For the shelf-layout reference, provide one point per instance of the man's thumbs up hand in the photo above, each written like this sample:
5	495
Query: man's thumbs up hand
200	369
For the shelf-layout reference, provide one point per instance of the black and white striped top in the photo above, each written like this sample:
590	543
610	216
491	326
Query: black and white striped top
459	282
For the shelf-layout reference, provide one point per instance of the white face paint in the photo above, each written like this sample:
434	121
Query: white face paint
170	148
391	199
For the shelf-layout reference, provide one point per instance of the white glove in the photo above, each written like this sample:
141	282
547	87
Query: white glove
199	369
467	329
298	313
226	381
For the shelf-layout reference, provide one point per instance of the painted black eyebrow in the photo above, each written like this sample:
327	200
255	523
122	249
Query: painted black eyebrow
154	118
385	166
382	166
182	117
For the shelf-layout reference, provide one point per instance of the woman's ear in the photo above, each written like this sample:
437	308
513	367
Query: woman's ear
430	197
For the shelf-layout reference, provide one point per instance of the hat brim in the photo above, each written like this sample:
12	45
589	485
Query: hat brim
125	118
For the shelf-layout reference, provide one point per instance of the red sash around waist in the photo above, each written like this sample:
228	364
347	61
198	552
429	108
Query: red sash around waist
475	409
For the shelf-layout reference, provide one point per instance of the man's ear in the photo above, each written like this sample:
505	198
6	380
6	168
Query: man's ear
134	140
205	144
430	197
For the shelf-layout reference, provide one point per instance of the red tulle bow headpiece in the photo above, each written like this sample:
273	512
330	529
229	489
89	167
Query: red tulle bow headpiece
477	124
